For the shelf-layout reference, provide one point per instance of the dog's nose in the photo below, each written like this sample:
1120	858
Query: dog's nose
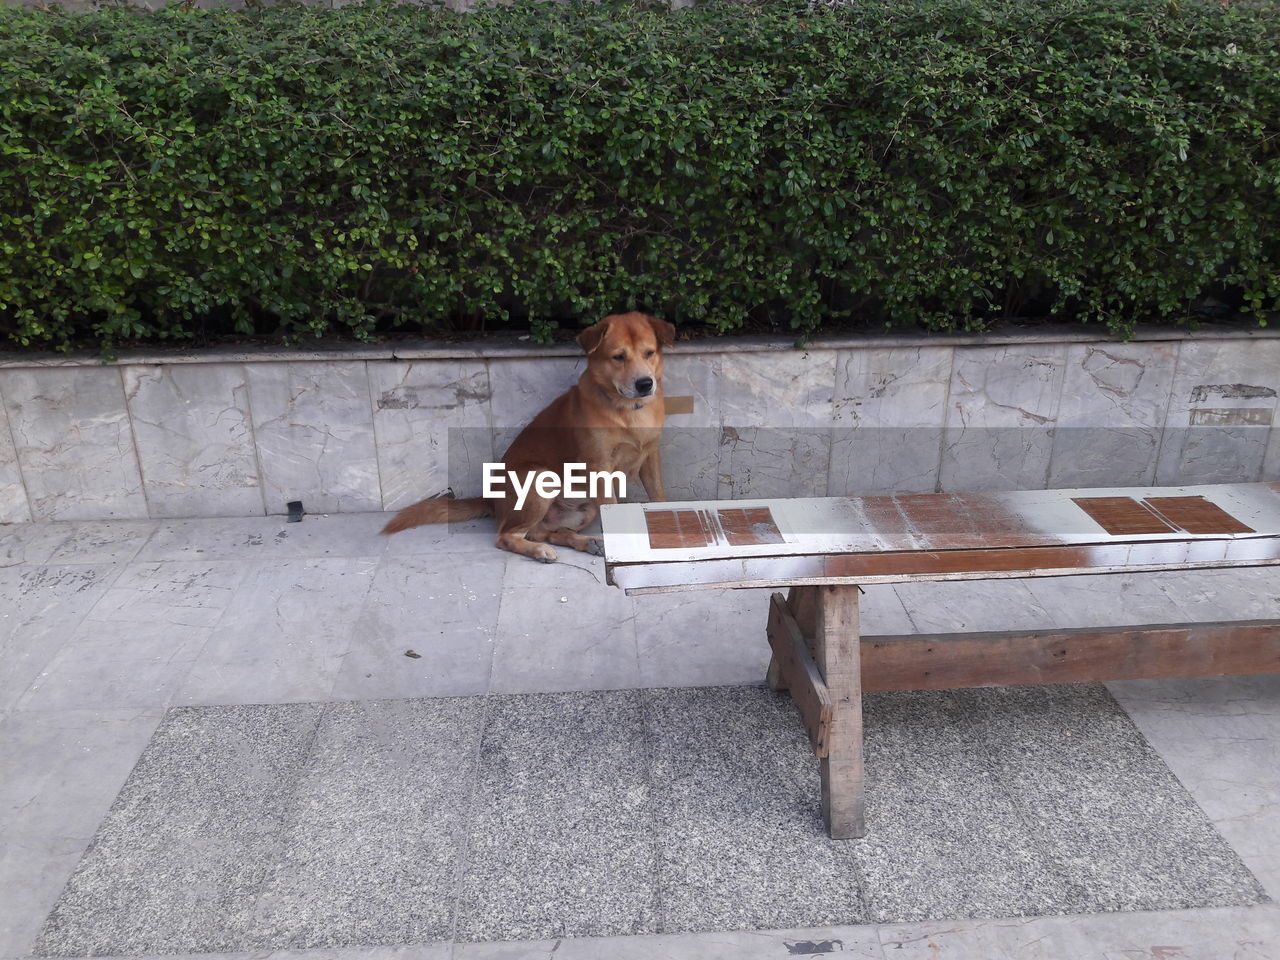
644	386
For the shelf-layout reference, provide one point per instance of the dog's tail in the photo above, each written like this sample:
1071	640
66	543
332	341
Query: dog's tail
438	510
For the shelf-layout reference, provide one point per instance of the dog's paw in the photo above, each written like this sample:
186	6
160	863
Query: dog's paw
545	554
594	546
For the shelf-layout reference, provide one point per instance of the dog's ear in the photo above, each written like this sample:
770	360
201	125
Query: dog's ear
665	332
590	338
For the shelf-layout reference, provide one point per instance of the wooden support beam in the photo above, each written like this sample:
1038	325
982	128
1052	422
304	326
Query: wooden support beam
1007	658
796	671
835	648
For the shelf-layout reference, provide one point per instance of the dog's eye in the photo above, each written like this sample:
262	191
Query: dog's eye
619	357
650	353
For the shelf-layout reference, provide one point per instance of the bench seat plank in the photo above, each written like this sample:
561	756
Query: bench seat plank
833	540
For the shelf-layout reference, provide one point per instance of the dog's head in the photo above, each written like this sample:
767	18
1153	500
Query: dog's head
624	355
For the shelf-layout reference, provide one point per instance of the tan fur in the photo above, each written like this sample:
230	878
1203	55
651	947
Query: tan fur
599	421
439	510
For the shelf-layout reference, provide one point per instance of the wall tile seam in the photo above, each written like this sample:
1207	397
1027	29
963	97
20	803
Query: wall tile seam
1056	438
133	440
1168	410
17	460
942	434
377	448
253	437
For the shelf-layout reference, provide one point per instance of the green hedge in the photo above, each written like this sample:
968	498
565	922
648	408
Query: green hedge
937	162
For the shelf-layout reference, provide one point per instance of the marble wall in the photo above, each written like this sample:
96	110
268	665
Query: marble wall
367	432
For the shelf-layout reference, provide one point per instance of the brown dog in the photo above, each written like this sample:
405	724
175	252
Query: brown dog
610	421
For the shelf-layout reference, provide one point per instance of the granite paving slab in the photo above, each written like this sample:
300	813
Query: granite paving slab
737	807
181	857
1107	809
561	843
945	838
375	822
540	816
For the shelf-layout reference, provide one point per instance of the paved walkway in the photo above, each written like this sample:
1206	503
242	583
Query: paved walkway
105	625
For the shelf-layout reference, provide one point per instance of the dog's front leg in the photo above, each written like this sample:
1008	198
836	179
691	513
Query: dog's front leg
651	476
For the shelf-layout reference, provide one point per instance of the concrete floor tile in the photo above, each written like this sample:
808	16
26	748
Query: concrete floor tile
63	768
1242	593
284	634
181	594
103	541
267	538
181	856
561	628
31	543
43	607
736	809
115	665
416	951
965	607
1266	867
1258	695
526	949
881	612
702	638
717	637
855	943
370	854
443	611
1238	933
31	880
541	862
1219	737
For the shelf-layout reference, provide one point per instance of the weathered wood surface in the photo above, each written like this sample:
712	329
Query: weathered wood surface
835	642
662	547
798	672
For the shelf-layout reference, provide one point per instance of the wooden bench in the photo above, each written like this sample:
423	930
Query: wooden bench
822	549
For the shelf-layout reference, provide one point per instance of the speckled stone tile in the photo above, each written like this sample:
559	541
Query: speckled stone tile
738	816
371	855
1102	804
944	838
179	860
561	844
533	817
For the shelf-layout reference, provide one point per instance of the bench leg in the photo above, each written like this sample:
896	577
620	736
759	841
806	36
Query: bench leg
828	616
837	650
